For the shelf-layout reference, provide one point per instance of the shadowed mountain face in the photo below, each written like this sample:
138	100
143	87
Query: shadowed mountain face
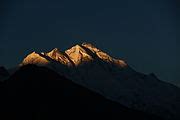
50	95
3	73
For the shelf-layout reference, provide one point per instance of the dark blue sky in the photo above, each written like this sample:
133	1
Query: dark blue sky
143	32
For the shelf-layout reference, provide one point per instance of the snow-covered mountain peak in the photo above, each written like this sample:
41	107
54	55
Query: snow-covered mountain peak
78	54
55	50
104	56
54	54
34	58
90	46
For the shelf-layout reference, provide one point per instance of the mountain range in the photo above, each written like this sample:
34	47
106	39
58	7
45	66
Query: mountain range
113	79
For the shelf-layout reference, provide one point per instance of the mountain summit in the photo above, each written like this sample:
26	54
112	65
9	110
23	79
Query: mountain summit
78	54
74	56
112	78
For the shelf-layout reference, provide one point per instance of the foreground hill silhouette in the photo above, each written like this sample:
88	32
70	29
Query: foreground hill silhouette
3	73
49	95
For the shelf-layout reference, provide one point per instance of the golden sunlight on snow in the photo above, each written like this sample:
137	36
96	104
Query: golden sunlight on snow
74	56
35	58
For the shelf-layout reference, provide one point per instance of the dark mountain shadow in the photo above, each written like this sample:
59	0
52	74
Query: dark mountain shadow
40	93
3	73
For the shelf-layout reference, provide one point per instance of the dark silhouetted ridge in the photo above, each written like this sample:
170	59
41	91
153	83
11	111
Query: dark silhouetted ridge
39	93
